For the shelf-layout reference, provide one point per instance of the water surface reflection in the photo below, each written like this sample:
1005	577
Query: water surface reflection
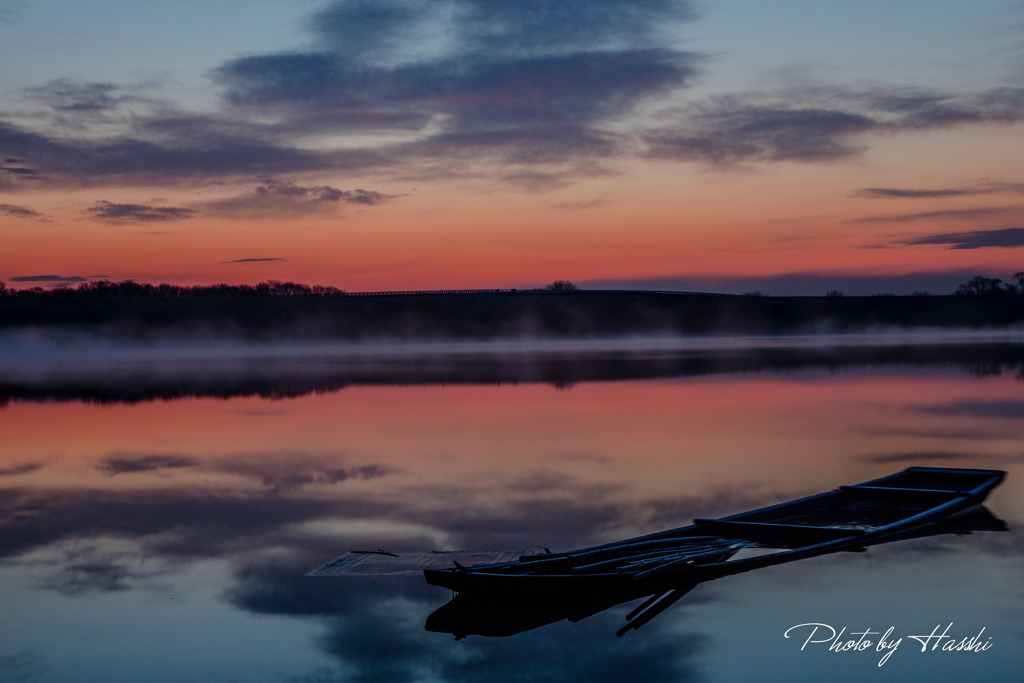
167	539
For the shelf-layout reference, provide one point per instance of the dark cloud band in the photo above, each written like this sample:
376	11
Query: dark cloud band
137	213
896	193
975	239
286	198
48	278
826	124
519	90
18	211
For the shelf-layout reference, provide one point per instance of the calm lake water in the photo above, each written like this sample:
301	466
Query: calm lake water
157	514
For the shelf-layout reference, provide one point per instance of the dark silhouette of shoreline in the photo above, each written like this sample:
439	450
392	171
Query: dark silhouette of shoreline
491	314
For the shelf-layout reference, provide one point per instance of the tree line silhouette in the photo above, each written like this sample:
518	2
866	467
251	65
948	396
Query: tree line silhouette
286	311
978	285
991	286
267	288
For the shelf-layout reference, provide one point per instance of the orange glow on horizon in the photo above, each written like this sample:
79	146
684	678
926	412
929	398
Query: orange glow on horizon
657	220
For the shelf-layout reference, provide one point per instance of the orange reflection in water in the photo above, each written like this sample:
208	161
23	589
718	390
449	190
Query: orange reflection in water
763	434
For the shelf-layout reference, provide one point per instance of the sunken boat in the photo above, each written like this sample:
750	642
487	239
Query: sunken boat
848	518
664	566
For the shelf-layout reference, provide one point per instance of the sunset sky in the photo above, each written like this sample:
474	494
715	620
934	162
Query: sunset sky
791	147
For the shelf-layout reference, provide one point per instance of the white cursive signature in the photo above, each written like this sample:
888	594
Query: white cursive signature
819	634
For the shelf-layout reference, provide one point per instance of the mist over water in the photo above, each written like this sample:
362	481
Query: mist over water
39	366
42	346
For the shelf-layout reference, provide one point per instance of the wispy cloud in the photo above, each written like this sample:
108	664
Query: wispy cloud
18	171
137	213
19	211
255	260
980	213
1008	409
49	278
134	464
153	158
939	193
15	174
976	239
69	96
580	205
818	124
729	131
20	469
897	193
285	198
10	10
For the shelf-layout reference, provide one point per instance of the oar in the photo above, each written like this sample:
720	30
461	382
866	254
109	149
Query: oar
665	601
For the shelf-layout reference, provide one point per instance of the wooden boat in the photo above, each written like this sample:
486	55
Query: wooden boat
850	518
495	614
503	593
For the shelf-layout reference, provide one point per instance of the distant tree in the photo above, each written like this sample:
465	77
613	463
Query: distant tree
278	288
980	285
3	288
325	290
834	293
1019	277
922	292
756	292
561	286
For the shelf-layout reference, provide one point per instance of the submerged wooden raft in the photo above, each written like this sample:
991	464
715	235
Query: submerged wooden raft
919	501
848	518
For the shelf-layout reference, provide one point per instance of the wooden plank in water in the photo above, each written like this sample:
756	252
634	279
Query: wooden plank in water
782	535
920	496
387	563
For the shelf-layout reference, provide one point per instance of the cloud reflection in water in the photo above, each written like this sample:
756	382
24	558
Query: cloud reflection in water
160	513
